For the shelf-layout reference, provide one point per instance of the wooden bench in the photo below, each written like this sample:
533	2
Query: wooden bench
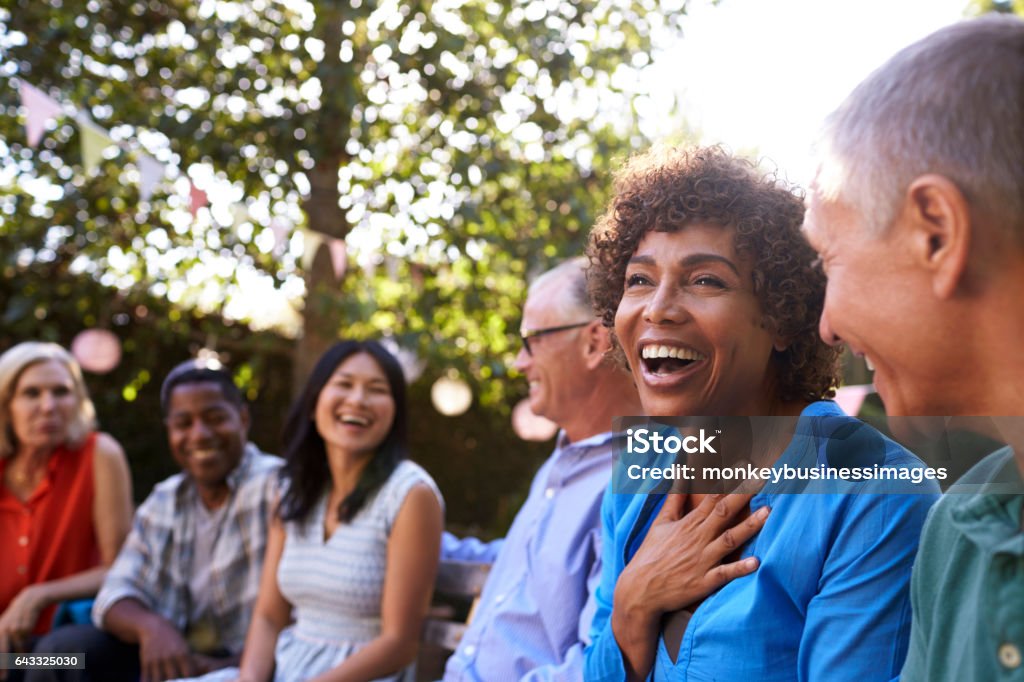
456	593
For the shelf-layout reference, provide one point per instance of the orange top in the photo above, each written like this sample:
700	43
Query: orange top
51	535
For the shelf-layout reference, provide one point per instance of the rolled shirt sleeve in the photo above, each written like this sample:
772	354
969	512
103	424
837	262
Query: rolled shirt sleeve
130	574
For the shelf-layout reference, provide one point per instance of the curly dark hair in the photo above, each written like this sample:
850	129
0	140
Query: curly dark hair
664	190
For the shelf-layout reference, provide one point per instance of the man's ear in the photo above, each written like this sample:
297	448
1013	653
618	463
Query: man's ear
597	343
938	220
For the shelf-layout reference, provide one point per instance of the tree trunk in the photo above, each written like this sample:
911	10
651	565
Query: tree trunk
327	130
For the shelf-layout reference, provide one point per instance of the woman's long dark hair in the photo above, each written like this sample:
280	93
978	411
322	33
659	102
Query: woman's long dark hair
305	469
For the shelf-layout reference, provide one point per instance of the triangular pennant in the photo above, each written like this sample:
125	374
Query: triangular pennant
339	256
391	263
850	398
151	172
311	241
239	214
39	109
280	229
196	199
94	140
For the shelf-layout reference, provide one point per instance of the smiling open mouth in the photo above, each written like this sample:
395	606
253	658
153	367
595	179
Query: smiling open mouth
664	360
354	420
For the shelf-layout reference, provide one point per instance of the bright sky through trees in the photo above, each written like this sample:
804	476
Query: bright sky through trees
474	139
760	75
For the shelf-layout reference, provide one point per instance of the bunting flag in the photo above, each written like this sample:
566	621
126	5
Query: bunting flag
94	141
239	214
339	256
850	398
280	229
196	199
391	263
39	109
151	172
311	241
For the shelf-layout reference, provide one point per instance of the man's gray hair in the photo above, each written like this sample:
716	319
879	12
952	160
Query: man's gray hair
951	104
576	299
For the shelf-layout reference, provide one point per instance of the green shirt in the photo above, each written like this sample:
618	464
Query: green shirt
967	588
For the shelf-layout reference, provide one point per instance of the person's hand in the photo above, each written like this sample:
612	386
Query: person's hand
204	664
682	559
678	564
19	619
164	653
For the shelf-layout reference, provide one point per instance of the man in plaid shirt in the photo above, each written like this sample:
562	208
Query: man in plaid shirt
178	599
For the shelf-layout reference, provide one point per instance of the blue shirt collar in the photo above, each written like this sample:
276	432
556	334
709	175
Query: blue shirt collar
563	443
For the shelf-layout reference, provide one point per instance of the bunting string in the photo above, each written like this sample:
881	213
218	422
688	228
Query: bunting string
41	109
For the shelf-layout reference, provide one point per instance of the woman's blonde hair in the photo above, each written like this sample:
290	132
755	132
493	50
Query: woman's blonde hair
15	361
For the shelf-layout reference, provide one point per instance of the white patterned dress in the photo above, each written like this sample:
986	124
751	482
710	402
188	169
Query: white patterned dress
335	587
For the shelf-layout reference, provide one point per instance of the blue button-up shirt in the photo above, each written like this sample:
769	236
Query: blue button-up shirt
830	600
535	610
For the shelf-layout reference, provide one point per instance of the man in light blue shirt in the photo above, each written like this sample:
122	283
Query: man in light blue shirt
534	614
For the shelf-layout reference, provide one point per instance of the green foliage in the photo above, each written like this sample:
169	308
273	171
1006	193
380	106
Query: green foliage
460	144
45	302
483	470
1003	6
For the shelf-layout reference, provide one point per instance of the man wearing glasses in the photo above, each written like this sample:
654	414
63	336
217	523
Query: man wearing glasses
535	610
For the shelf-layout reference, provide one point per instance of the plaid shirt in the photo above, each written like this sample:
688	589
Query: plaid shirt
155	562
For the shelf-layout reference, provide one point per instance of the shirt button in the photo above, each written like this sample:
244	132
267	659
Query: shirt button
469	650
1009	656
22	570
23	540
500	598
549	493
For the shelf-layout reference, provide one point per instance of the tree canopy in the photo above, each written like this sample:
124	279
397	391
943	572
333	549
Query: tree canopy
456	145
1003	6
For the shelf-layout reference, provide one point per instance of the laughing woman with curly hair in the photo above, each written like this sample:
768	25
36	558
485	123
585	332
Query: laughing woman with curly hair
700	269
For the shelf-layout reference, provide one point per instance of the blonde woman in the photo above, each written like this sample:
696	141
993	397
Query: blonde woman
65	497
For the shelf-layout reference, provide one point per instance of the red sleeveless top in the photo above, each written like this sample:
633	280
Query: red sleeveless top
50	535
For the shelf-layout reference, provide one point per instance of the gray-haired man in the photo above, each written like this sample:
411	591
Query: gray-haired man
918	215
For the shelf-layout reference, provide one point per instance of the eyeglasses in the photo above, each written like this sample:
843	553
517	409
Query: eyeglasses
534	333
